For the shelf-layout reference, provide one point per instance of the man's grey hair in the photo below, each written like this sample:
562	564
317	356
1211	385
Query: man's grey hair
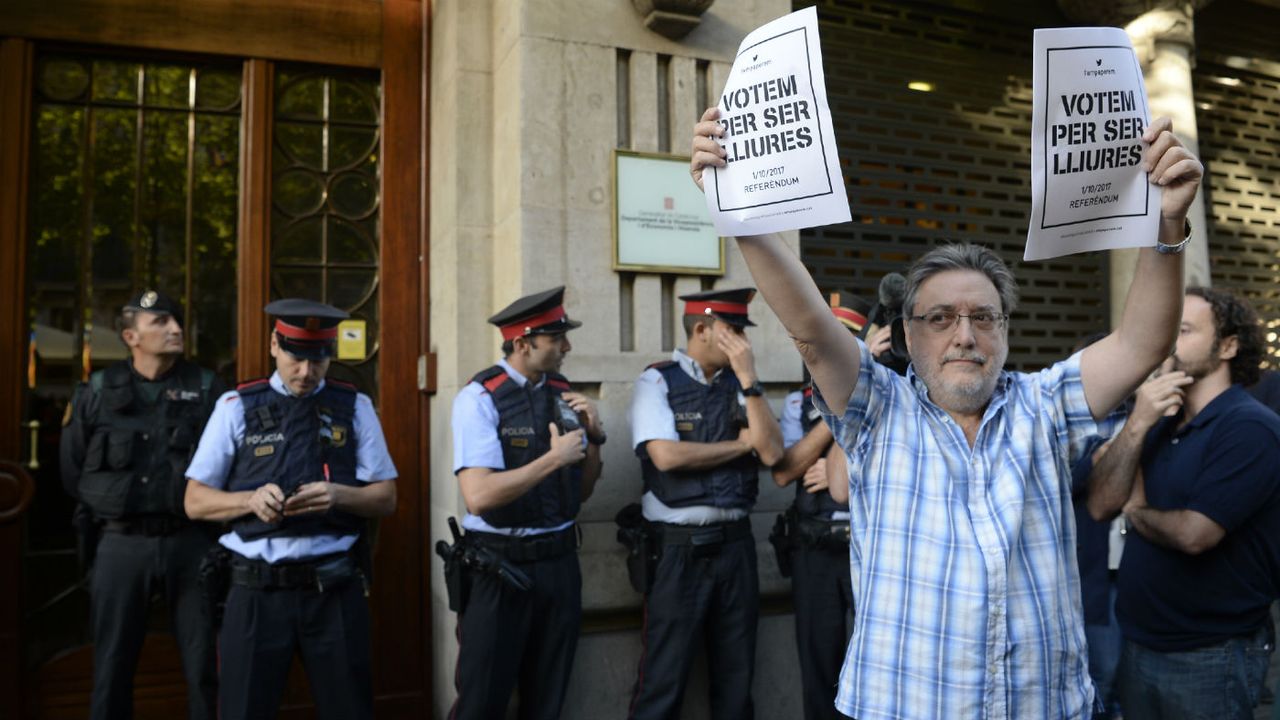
962	256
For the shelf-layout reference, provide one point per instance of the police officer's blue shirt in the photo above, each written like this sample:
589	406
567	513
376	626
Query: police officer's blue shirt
792	427
652	419
793	431
224	432
476	444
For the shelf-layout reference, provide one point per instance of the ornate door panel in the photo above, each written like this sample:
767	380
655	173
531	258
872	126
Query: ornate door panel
132	183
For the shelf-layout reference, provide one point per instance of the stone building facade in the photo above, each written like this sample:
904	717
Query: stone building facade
530	98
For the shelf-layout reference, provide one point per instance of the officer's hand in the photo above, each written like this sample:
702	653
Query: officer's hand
311	497
1159	397
738	349
587	413
706	151
566	449
880	341
267	502
815	478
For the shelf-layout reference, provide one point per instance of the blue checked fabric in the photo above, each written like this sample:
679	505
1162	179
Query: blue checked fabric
963	562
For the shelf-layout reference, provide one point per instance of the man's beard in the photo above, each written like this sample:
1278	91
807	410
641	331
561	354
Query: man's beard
965	396
1197	369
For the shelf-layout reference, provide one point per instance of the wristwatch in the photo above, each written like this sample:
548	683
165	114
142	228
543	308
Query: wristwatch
598	441
1175	249
754	391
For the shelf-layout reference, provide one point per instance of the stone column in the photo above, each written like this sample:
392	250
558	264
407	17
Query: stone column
1163	34
1165	41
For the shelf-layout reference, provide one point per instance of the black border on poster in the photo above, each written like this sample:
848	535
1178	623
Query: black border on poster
1044	198
813	96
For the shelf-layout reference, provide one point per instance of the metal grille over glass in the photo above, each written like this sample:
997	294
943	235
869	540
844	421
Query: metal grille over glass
134	182
932	109
325	202
1237	91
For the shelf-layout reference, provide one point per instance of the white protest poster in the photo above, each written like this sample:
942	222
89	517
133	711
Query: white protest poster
782	171
1087	185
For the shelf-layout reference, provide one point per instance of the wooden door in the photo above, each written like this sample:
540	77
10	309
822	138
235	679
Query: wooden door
225	181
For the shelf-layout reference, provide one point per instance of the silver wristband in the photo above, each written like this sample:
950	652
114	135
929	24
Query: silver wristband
1175	249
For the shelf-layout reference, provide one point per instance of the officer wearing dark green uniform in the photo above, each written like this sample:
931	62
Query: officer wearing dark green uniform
130	432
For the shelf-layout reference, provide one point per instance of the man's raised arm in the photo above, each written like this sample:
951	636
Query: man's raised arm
1112	367
825	345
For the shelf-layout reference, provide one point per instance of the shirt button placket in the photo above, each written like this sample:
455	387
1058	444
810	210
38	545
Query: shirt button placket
997	585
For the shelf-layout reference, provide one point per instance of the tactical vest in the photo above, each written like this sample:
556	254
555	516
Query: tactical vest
524	412
818	505
136	458
291	441
705	414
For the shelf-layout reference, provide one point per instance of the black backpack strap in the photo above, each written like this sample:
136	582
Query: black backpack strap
342	385
504	390
558	383
248	387
256	409
679	384
490	377
339	398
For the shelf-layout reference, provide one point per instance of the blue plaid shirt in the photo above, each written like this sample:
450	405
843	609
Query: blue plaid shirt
963	561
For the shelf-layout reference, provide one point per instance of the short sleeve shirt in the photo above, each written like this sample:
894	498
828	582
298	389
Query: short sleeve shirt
211	465
963	560
652	419
792	427
1224	464
476	444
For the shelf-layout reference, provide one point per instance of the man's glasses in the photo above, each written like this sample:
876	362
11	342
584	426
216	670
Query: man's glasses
943	320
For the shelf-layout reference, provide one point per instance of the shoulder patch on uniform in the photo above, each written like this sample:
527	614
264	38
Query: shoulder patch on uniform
661	364
496	381
555	383
253	385
340	384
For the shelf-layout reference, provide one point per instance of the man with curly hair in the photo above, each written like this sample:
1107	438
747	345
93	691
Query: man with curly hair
1196	470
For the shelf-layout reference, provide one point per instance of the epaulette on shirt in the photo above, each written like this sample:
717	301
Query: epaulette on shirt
257	385
495	377
662	365
491	378
341	385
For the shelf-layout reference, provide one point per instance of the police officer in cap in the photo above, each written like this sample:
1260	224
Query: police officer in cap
817	532
526	451
296	463
129	434
702	428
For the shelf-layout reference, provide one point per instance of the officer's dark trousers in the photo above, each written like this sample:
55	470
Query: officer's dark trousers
713	597
823	598
126	572
510	639
262	628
